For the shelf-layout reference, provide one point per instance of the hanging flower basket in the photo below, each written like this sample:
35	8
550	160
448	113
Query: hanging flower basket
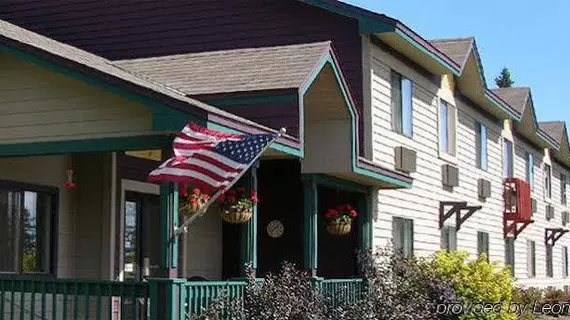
237	205
340	219
236	216
339	228
192	202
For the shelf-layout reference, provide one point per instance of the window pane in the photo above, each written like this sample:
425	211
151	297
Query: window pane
481	145
10	207
530	170
547	181
549	270
130	257
563	188
444	127
510	253
396	97
565	261
36	232
407	113
507	158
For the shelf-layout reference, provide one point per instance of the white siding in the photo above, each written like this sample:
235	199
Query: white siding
421	202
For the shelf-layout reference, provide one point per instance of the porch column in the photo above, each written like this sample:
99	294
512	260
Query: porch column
249	232
365	219
311	226
168	220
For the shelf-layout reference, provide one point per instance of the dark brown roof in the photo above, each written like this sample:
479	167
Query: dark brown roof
456	49
554	129
515	97
19	37
234	70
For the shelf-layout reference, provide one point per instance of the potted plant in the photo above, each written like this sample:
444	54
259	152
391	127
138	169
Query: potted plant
237	205
192	201
339	220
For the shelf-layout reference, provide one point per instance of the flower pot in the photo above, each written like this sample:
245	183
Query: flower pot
189	209
236	216
339	228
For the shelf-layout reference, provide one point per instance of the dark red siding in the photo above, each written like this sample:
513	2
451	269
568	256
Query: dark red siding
143	28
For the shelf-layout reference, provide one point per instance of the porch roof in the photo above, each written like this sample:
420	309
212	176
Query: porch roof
101	72
237	70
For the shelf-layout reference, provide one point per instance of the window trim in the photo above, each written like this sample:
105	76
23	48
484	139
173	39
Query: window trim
511	160
547	195
401	119
530	173
479	143
447	156
54	230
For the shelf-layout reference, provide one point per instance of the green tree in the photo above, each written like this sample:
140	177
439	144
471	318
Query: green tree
504	79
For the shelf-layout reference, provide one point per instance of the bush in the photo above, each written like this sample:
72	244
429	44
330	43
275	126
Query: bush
288	295
398	288
527	297
476	282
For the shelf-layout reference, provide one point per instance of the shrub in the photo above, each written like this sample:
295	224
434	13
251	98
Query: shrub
398	288
527	297
288	295
476	282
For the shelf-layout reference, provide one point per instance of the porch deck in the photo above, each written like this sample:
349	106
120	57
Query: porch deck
100	299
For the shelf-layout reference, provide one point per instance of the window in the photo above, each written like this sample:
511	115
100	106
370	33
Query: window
530	170
565	262
549	269
507	158
510	254
449	238
547	181
531	258
483	244
481	143
447	128
402	109
403	235
26	224
563	188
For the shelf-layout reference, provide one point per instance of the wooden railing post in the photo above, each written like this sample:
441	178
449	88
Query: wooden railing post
166	301
311	226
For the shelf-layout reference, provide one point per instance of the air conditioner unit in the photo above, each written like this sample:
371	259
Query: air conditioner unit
484	188
549	212
450	175
405	159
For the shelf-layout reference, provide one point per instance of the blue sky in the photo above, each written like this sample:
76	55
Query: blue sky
528	37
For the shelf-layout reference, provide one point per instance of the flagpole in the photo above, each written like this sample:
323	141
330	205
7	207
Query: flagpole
178	230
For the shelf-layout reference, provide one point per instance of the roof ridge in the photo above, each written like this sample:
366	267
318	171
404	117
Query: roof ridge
458	39
226	51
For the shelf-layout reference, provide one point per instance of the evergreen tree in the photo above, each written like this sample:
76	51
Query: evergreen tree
504	79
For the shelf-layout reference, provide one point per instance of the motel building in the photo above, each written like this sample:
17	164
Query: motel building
402	128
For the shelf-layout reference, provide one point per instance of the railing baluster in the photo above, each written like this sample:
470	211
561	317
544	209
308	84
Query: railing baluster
22	300
64	311
99	294
75	301
33	301
87	298
2	297
54	300
43	300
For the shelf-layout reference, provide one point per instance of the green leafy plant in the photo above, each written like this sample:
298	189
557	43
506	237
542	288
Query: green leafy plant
238	199
342	214
476	282
527	297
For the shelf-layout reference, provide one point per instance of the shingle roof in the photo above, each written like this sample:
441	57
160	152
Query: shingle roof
555	129
456	49
515	97
10	33
234	70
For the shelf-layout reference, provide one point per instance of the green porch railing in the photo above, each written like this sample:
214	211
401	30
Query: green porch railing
73	299
197	296
340	291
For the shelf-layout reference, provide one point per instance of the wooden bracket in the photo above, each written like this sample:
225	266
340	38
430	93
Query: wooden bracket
552	235
516	227
456	208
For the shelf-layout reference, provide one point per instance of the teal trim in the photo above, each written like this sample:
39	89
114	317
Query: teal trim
275	146
173	120
311	236
386	179
168	219
427	52
493	101
365	220
174	216
333	182
86	145
253	227
252	100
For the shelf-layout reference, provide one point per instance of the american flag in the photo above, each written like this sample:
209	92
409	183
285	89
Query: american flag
208	158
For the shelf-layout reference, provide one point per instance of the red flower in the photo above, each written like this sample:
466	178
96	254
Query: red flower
231	199
340	208
206	196
254	197
196	191
240	189
193	201
183	191
349	207
222	197
231	192
352	213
